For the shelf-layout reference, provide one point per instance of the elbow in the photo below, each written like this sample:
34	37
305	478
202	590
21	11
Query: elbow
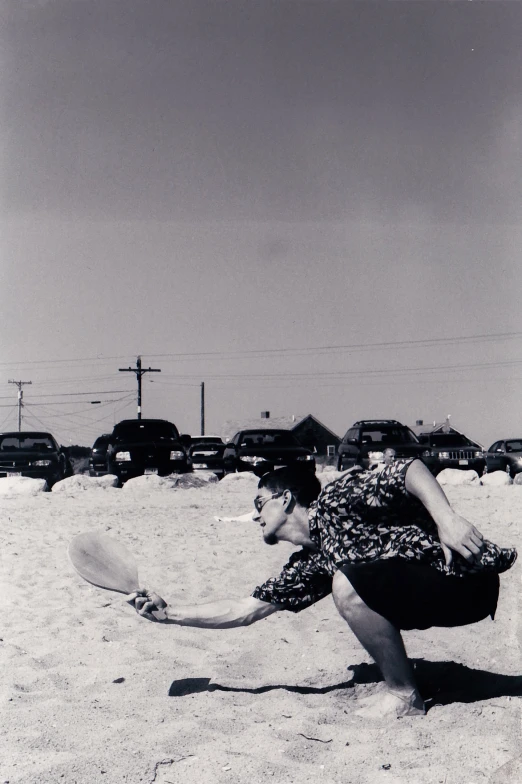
249	619
258	614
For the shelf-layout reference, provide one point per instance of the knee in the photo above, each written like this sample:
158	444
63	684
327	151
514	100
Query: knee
346	598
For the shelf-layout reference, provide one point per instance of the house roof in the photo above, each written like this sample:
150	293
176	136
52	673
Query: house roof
439	427
433	428
289	422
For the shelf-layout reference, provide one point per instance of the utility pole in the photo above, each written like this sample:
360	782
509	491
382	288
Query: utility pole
20	399
139	373
202	408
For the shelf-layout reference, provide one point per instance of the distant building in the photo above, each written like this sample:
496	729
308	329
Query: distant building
307	429
422	429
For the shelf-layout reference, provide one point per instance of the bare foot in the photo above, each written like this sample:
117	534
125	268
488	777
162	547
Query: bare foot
392	704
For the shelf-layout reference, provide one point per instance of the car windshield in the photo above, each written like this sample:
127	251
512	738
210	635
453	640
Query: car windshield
390	435
449	440
26	442
514	446
196	440
145	431
268	439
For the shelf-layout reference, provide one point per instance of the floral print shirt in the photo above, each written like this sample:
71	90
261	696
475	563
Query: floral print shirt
364	516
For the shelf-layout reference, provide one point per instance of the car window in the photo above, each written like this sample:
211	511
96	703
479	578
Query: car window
514	445
145	431
390	435
351	433
38	444
450	439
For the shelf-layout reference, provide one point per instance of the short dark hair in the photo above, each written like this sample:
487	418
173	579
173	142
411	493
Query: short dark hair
302	483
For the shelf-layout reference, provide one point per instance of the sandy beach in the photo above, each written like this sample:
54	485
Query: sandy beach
92	693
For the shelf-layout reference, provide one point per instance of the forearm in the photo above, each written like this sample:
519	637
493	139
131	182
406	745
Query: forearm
455	533
421	483
223	614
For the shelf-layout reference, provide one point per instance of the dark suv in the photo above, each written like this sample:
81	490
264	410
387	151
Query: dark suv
365	443
147	446
260	451
451	450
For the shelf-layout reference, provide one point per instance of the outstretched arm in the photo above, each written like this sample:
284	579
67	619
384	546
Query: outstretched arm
222	614
455	533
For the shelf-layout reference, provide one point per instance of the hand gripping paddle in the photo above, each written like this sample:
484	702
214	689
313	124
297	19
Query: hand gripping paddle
108	564
104	562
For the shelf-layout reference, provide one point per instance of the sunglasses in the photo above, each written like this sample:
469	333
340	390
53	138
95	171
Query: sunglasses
260	501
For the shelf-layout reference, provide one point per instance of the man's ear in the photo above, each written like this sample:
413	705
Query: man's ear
289	501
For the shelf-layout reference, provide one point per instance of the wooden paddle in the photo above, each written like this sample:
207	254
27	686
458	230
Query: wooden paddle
104	562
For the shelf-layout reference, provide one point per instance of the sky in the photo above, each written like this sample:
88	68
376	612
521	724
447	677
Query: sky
310	206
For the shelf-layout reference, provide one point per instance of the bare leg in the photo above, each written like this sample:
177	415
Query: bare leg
384	643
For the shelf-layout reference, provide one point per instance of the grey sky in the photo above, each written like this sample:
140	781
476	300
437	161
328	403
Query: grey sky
224	176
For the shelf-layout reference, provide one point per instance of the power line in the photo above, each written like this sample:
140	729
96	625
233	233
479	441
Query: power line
35	402
180	378
284	351
32	416
85	426
70	414
6	419
298	351
72	394
342	376
357	372
90	379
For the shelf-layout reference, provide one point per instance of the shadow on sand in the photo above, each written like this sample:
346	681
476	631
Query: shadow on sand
441	683
196	685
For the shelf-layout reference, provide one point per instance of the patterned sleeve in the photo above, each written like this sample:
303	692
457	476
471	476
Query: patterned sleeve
392	480
302	582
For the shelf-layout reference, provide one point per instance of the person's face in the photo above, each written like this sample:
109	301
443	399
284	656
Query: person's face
389	456
270	514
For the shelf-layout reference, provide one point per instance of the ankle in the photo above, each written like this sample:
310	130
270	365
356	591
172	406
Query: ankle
404	693
410	697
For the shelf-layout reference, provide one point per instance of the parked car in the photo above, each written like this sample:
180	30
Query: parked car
451	450
34	454
260	451
147	446
98	456
505	455
207	453
367	440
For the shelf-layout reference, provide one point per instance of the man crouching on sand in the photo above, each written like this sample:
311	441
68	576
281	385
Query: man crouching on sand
386	544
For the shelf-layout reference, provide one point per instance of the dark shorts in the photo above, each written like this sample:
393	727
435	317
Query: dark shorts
412	595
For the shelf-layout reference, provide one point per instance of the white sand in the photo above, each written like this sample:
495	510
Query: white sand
272	702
